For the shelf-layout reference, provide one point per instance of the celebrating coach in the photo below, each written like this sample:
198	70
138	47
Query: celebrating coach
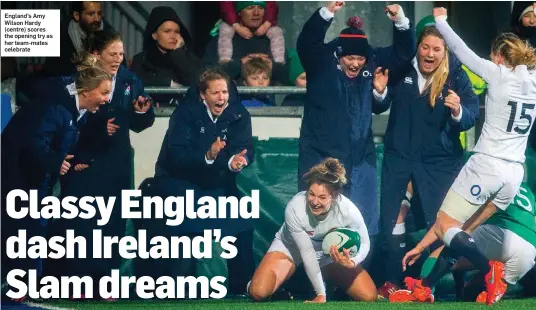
208	142
432	102
340	102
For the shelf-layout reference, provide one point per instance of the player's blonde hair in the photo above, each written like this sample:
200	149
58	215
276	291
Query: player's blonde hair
90	73
514	50
330	173
440	74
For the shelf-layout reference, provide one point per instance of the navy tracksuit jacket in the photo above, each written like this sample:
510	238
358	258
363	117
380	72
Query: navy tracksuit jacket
338	111
34	144
422	144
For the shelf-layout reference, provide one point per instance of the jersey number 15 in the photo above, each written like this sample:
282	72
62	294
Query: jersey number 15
513	113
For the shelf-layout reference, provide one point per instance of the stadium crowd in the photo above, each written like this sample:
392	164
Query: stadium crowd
70	125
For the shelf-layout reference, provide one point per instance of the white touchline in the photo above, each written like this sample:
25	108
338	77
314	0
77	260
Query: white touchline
39	305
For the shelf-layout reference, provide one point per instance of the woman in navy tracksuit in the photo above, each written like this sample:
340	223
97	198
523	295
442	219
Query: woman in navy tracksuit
37	146
422	142
183	165
107	152
339	101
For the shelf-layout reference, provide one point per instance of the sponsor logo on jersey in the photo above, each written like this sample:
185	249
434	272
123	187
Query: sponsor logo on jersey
408	80
476	190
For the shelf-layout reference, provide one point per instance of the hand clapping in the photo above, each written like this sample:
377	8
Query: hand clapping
142	104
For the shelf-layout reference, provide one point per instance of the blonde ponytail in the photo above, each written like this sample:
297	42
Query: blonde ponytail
514	51
439	77
86	60
90	73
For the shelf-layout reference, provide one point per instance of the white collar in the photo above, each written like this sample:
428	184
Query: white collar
415	64
421	80
71	88
114	78
214	120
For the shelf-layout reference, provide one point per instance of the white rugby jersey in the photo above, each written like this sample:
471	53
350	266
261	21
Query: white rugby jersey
510	101
301	229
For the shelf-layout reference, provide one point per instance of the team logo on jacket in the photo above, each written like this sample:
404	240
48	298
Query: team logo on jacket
70	123
127	90
408	80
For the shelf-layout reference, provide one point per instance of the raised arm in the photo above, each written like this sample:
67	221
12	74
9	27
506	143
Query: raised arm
404	47
312	50
307	251
481	67
380	101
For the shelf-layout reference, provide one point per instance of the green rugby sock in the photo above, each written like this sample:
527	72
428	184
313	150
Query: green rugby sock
427	268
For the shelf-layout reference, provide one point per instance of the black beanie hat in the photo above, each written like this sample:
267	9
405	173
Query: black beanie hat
353	40
160	15
517	10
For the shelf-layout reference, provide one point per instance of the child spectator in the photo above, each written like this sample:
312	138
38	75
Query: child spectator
257	72
297	78
230	11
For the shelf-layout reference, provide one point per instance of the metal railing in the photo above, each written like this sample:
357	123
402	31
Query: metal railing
246	90
123	21
379	122
276	111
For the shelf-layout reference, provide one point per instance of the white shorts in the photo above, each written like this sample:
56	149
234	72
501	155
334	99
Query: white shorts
294	254
486	178
503	245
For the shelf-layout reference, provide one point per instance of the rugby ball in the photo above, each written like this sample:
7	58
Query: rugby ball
342	238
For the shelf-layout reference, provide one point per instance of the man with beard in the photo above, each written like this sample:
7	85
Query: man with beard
86	19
